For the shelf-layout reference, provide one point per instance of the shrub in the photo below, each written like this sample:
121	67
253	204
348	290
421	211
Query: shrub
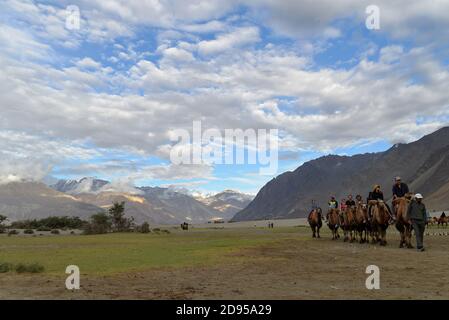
28	231
5	267
2	227
144	228
29	268
43	229
99	223
12	232
54	231
50	223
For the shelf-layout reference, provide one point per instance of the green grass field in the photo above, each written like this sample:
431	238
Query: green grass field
114	253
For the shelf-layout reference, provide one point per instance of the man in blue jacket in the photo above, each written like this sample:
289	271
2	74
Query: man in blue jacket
418	216
400	189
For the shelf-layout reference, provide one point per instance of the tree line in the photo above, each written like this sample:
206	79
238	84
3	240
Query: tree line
114	220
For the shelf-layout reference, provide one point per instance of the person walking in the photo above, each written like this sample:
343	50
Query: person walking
418	215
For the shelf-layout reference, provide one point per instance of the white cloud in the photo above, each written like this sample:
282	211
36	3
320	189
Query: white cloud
178	54
231	40
88	63
51	108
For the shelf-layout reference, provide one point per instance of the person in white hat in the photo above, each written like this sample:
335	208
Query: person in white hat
418	216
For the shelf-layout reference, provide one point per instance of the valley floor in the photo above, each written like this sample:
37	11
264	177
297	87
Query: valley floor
239	263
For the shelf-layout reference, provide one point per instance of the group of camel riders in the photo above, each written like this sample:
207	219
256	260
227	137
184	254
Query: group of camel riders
409	213
400	189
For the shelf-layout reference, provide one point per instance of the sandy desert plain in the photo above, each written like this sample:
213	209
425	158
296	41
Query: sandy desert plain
244	260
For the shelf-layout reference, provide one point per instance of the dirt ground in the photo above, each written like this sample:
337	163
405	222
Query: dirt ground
302	268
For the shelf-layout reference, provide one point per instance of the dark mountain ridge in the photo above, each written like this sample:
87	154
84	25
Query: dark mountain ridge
423	164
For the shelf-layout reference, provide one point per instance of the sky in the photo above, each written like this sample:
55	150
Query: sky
105	98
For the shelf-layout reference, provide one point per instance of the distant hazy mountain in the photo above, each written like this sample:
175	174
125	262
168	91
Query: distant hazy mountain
180	206
136	206
154	205
423	164
228	202
32	200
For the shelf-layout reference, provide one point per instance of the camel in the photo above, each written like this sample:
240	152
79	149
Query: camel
315	222
432	222
348	223
185	226
361	221
443	221
333	222
379	221
403	224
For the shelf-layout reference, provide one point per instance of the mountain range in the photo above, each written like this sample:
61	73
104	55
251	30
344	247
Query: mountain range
423	164
228	202
155	204
82	198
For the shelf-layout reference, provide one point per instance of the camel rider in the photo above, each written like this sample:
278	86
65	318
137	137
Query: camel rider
313	208
314	205
377	195
359	199
400	189
350	202
342	205
333	203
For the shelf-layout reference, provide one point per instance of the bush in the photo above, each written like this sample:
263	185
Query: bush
2	227
50	223
12	232
29	268
28	231
144	228
5	267
54	231
99	223
43	229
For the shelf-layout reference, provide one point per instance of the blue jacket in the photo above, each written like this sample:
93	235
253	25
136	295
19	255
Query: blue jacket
401	190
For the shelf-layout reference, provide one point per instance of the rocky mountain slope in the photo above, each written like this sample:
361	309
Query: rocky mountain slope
32	200
150	204
423	164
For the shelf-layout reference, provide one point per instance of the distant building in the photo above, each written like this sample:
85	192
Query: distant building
217	220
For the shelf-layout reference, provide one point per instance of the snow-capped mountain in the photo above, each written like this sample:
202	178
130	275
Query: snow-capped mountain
151	204
228	202
85	185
